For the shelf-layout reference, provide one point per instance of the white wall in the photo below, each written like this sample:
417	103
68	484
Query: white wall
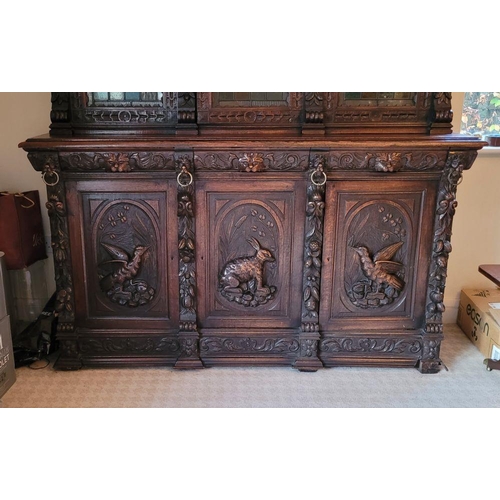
476	234
23	115
476	229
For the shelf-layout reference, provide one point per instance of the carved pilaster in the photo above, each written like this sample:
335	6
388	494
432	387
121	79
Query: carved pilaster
314	113
48	163
456	163
188	330
441	114
315	211
60	114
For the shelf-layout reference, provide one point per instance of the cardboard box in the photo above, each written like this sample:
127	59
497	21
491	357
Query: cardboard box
7	369
476	320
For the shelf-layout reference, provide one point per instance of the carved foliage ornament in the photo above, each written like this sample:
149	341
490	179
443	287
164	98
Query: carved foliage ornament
313	251
118	162
186	238
368	345
446	206
252	161
385	161
248	345
56	206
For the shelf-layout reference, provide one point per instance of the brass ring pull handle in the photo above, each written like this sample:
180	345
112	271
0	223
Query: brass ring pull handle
185	171
51	174
323	181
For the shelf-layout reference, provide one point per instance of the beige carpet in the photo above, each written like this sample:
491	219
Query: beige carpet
466	384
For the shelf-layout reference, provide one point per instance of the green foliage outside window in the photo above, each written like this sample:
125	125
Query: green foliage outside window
481	113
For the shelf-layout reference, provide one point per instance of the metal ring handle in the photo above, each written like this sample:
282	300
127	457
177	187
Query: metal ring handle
54	173
318	183
188	173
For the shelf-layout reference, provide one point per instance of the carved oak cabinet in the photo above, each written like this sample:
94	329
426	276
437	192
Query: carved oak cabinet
251	228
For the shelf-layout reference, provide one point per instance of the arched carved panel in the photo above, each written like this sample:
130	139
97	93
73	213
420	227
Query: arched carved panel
126	239
250	257
249	236
125	254
372	259
378	255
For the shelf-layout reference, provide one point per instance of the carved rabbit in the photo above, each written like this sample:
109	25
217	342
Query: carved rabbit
246	269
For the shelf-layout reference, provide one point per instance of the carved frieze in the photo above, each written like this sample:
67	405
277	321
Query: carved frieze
117	162
129	346
384	161
253	161
247	345
359	345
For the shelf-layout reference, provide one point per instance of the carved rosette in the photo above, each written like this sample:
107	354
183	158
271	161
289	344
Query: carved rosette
315	212
446	205
188	330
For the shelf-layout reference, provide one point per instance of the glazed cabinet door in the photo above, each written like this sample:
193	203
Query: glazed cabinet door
377	251
250	239
123	241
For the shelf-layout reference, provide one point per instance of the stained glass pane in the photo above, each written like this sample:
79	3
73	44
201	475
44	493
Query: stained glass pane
378	96
250	99
124	98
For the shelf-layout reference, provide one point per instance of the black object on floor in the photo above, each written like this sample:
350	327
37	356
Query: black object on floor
38	340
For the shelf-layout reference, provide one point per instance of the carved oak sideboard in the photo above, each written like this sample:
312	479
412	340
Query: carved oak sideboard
279	228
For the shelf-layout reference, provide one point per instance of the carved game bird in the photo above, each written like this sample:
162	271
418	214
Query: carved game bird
129	266
381	269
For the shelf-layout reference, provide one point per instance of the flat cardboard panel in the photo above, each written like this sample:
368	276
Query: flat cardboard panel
7	370
475	319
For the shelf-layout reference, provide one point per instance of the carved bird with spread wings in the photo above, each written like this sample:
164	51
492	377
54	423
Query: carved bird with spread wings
380	268
129	266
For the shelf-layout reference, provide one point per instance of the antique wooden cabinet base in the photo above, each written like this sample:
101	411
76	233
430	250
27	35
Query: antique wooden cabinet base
302	229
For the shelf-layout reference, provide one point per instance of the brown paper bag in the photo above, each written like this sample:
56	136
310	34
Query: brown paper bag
21	229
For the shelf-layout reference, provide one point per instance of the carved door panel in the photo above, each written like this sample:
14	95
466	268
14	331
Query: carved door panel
122	234
376	258
250	238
